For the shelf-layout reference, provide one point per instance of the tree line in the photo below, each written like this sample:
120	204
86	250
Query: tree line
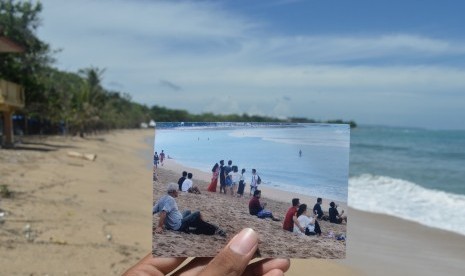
76	102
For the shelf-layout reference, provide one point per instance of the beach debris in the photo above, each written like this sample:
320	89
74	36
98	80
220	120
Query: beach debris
5	192
75	164
330	235
86	156
2	216
59	242
27	231
109	237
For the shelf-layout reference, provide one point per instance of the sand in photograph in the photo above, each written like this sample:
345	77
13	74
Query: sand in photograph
232	214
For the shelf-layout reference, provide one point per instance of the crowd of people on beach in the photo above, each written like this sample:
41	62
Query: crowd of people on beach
231	179
298	218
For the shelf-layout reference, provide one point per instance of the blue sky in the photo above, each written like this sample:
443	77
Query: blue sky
398	63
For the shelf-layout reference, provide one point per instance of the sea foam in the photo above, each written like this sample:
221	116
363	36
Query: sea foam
407	200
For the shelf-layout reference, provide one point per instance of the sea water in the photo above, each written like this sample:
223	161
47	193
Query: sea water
273	150
414	174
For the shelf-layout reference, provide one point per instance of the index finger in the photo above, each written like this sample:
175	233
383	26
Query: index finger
150	265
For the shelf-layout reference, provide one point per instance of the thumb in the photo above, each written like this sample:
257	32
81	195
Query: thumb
234	258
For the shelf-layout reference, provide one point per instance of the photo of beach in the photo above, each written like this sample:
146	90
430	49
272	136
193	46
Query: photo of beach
281	161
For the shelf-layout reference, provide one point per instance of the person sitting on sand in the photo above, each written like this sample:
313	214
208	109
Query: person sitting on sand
172	219
188	186
308	223
181	180
290	219
334	216
258	209
317	208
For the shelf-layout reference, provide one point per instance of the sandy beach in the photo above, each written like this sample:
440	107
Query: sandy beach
232	214
69	216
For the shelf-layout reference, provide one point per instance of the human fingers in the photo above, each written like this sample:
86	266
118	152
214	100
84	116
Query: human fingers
151	266
233	259
274	272
194	267
267	265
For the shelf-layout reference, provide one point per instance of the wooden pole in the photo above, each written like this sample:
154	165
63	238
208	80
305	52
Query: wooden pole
8	129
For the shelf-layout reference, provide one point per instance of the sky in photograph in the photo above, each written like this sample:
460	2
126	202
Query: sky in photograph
399	63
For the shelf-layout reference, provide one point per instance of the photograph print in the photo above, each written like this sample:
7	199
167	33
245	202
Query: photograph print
286	181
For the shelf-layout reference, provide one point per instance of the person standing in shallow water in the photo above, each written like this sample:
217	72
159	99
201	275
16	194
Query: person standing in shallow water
300	153
214	183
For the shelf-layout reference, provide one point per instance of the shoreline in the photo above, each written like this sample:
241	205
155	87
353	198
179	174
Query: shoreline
72	204
271	193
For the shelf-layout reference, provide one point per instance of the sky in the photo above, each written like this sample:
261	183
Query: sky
397	63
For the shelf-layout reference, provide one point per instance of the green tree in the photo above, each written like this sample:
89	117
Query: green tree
19	22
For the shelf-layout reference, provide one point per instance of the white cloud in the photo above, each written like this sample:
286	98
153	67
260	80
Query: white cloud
223	62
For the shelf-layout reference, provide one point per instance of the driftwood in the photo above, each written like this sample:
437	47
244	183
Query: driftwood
86	156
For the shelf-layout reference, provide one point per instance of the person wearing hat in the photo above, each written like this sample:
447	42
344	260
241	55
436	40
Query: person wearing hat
334	216
172	219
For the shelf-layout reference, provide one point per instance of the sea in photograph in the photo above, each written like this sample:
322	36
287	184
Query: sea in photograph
273	150
411	173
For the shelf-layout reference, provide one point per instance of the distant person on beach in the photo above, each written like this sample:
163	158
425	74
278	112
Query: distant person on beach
214	183
227	178
308	223
235	178
172	219
254	182
155	160
240	190
228	168
162	157
334	216
181	180
317	208
258	209
300	153
291	218
188	186
222	177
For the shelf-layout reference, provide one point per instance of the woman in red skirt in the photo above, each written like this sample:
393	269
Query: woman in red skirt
215	172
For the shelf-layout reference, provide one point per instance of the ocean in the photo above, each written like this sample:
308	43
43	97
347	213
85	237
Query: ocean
273	150
414	174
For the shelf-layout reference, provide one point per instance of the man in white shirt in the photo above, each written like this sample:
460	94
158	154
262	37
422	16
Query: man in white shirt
254	182
188	186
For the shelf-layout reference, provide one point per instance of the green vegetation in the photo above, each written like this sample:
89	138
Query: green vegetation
76	103
5	192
